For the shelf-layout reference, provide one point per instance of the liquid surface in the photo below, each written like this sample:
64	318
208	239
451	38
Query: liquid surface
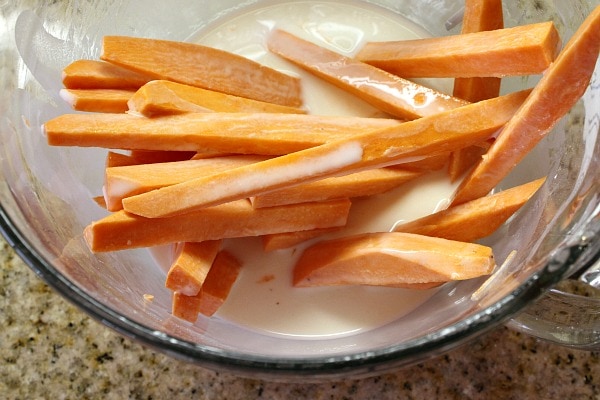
263	298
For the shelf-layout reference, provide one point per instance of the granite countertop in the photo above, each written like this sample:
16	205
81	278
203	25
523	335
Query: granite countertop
50	349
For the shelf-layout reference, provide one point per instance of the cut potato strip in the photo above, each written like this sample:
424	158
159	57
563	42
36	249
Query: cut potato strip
96	74
121	230
135	157
162	97
359	184
419	138
388	93
475	219
217	285
556	93
522	50
278	241
391	259
192	262
245	133
129	180
97	100
479	15
204	67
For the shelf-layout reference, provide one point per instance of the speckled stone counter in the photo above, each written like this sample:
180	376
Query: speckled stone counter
51	350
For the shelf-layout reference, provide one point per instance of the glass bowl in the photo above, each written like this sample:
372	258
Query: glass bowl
45	201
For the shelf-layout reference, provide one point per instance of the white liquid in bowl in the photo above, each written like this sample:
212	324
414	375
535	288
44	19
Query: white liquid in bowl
263	298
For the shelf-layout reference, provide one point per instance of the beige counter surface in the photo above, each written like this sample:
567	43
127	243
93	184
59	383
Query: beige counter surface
51	350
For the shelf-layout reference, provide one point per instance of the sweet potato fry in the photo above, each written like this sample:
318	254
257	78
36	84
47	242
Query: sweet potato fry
359	184
137	157
162	97
479	15
121	230
204	67
96	74
556	93
217	285
422	137
475	219
278	241
245	133
389	93
390	259
129	180
97	100
521	50
191	265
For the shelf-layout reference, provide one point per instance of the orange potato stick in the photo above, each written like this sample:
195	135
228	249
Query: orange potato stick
426	164
114	159
99	200
129	180
122	230
479	15
359	184
96	74
247	133
390	259
555	94
191	265
423	137
202	66
474	219
97	100
278	241
219	281
521	50
162	97
389	93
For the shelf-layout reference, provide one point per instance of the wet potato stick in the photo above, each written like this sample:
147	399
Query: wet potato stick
390	259
162	97
203	66
97	100
479	15
520	50
474	219
190	266
129	180
387	92
96	74
246	133
422	137
121	230
561	86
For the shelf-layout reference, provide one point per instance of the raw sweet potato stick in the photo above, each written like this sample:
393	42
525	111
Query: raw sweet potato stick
521	50
555	94
479	15
217	285
475	219
363	183
389	93
202	66
162	97
97	100
422	137
191	265
391	259
245	133
121	230
124	181
96	74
